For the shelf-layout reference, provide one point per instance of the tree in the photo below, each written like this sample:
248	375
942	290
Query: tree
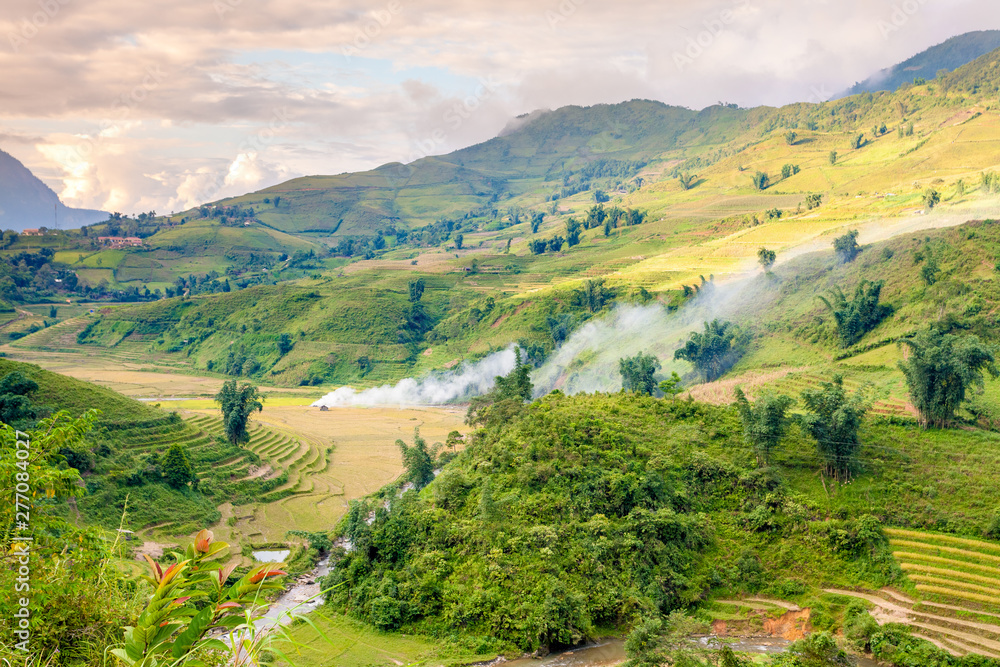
53	312
573	230
536	221
538	246
858	141
637	373
176	467
593	296
715	350
846	247
832	157
458	241
931	199
416	290
813	201
858	316
285	344
791	137
556	243
15	400
671	387
766	258
764	422
930	270
686	180
833	420
418	460
600	196
506	399
940	369
237	404
277	201
760	180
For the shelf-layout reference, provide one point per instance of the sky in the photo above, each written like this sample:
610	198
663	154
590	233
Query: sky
133	106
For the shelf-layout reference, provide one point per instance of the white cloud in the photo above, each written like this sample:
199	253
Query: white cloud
174	93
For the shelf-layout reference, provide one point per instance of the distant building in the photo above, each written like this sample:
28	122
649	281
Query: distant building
32	232
119	241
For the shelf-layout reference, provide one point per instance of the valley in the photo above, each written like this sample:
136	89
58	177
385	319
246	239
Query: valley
630	371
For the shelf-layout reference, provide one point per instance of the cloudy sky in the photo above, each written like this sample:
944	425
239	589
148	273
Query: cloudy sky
131	106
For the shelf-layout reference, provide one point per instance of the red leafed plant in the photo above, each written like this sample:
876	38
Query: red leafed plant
191	600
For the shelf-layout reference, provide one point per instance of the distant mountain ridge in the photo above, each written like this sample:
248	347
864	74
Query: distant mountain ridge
27	203
950	55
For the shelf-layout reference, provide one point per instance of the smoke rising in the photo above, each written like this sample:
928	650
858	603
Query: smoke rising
471	379
588	360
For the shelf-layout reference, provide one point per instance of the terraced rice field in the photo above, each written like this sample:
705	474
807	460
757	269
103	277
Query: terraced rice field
955	578
330	458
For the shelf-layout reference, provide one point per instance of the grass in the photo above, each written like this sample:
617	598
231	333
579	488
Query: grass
348	643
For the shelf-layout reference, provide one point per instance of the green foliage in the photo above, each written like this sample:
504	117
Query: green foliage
832	157
458	241
176	467
237	403
818	649
715	350
686	180
941	368
791	137
573	230
766	258
931	199
671	387
813	201
846	247
594	295
760	180
764	422
637	373
507	397
834	419
930	270
190	599
551	524
416	290
858	316
858	141
16	408
285	344
418	460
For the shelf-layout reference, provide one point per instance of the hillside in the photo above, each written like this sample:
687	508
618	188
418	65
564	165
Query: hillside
949	55
26	202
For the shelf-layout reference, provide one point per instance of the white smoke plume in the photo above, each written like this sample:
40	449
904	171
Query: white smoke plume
470	379
588	360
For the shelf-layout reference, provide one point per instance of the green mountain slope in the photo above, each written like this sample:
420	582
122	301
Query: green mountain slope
949	55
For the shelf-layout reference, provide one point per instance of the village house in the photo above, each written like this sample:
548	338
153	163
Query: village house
119	241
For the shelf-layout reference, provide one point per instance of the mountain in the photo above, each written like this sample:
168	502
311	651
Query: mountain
26	202
949	55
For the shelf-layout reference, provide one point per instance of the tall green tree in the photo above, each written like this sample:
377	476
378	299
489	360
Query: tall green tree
416	290
760	180
931	199
176	467
638	373
764	422
846	247
860	314
940	369
686	180
237	403
833	420
594	295
573	230
418	460
715	350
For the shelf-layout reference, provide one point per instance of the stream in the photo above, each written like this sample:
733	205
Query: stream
604	654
